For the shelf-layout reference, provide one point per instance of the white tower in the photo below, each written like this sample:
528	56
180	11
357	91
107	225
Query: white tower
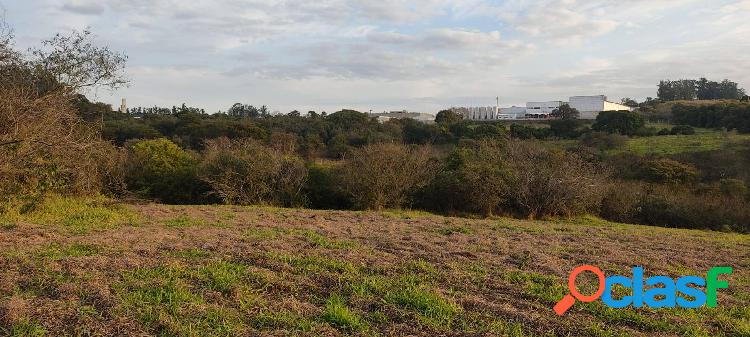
123	106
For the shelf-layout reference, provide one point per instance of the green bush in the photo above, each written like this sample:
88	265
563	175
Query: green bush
160	169
622	122
322	190
603	140
547	182
682	130
245	172
668	171
386	175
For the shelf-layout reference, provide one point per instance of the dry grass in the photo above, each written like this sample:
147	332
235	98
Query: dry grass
279	272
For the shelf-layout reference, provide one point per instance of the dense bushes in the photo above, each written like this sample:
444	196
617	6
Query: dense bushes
552	183
516	178
386	175
622	122
729	114
246	172
676	206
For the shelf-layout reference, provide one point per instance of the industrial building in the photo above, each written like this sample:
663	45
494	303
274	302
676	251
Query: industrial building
588	106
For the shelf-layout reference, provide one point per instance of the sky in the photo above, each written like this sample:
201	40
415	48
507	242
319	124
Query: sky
420	55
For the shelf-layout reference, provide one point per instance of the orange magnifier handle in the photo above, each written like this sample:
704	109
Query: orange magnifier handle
565	303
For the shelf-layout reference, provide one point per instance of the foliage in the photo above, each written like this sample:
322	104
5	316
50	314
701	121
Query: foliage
448	117
552	183
730	115
565	112
603	140
386	175
160	169
668	171
702	89
622	122
246	172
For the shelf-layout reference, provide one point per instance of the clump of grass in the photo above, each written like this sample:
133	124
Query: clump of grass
281	319
338	314
8	225
79	215
24	328
454	229
263	233
186	221
183	222
221	276
163	294
57	252
322	241
431	307
192	254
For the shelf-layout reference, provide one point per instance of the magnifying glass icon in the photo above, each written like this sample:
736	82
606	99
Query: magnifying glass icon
566	302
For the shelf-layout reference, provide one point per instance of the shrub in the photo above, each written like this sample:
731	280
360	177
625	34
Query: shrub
386	175
552	183
664	132
675	206
245	172
321	189
481	176
603	140
668	171
682	130
160	169
622	122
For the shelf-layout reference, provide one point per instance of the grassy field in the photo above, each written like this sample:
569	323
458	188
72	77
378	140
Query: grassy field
91	267
702	140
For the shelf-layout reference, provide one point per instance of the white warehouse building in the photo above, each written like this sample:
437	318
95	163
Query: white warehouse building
588	106
591	106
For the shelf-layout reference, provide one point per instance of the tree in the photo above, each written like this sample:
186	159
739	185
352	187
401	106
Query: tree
565	112
448	117
622	122
629	102
75	62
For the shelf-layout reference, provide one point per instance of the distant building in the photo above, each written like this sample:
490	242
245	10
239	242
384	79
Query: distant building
541	110
588	106
591	106
418	116
123	106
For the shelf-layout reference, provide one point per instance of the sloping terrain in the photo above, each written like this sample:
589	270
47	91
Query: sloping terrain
98	268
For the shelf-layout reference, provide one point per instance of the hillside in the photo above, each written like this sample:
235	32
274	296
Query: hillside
80	267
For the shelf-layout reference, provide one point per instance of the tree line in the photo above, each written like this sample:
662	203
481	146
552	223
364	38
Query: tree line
702	89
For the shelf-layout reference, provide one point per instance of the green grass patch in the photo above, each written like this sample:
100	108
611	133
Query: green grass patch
191	254
454	229
57	252
186	222
339	315
8	225
703	140
320	240
78	215
24	328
